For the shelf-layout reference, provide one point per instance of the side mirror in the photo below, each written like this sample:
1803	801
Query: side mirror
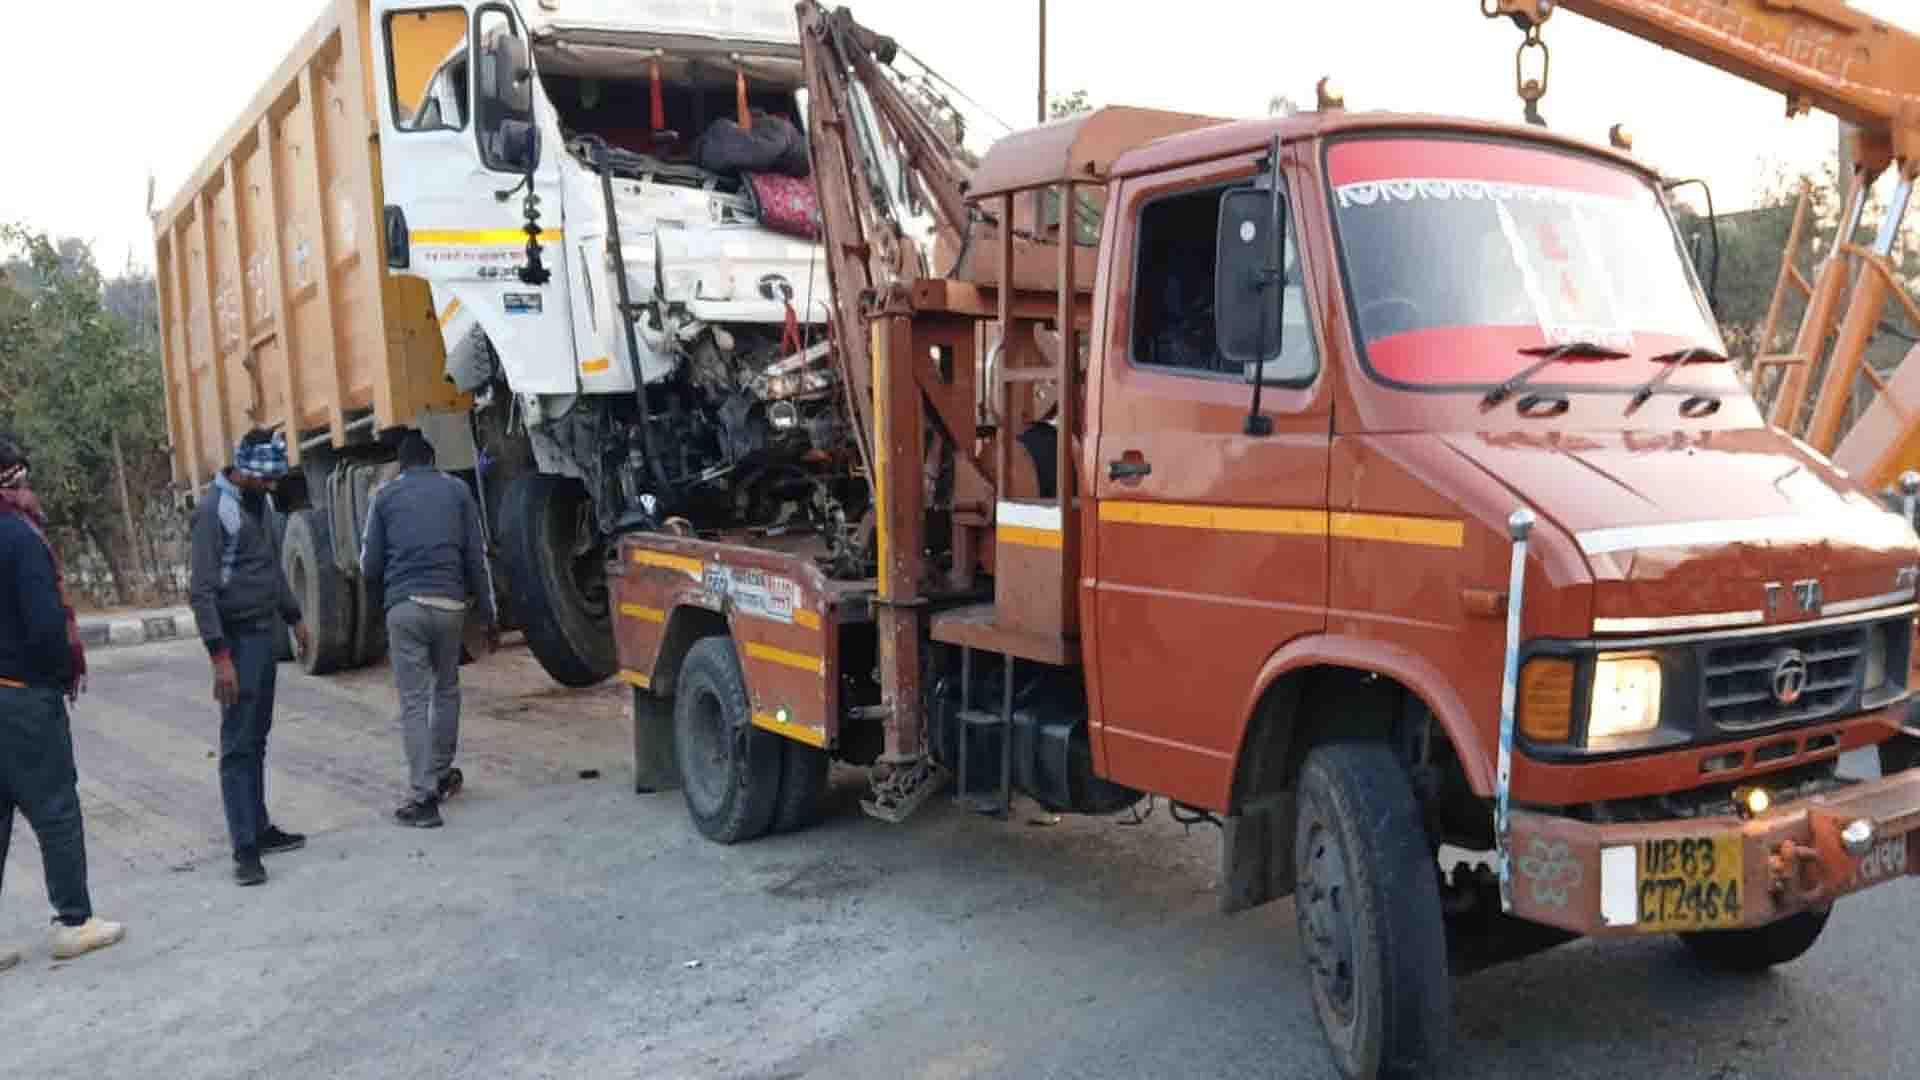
1249	279
399	241
503	98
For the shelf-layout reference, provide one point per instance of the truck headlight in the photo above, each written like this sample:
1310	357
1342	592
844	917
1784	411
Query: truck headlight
1626	698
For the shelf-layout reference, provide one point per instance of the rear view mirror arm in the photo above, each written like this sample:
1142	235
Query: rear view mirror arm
1274	278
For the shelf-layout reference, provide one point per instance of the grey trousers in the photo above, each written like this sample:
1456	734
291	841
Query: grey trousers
425	645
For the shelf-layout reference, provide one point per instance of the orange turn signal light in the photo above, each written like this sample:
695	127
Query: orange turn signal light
1546	700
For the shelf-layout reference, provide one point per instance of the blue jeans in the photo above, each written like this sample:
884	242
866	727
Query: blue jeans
243	736
37	775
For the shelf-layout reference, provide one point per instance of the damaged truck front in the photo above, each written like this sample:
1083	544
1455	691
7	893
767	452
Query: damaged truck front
571	242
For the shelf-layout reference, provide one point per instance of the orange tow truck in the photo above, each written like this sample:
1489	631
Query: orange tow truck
1374	485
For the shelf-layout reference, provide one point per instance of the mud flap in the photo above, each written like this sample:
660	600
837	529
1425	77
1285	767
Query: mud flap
1256	853
655	768
1902	752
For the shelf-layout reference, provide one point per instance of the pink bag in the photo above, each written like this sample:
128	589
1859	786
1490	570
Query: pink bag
788	204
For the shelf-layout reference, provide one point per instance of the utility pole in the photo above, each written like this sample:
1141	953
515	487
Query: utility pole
1041	112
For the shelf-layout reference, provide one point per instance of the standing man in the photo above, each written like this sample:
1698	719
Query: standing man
238	591
42	667
423	553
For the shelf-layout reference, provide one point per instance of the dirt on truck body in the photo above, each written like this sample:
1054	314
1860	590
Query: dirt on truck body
1370	484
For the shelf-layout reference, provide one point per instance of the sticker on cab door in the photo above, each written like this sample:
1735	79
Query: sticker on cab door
523	303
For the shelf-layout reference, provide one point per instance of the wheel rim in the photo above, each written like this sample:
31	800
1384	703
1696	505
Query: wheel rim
710	751
586	563
1325	893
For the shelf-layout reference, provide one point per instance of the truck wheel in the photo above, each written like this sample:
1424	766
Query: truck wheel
370	627
1368	902
324	593
559	584
803	786
283	651
730	769
1758	948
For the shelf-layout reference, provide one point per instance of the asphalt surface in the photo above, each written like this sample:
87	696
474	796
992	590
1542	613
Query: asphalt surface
566	927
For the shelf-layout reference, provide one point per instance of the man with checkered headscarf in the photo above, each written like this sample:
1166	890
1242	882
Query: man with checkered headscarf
239	593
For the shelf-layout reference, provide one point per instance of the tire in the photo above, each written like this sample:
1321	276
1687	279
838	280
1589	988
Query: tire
370	628
557	579
1368	902
283	651
730	769
803	786
326	596
1758	948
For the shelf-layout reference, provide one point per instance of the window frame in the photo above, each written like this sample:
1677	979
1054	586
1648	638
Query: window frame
1220	187
393	71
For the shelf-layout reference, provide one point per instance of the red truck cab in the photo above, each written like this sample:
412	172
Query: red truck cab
1430	543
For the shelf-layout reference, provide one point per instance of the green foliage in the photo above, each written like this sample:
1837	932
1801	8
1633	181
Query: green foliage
1061	106
77	375
1751	245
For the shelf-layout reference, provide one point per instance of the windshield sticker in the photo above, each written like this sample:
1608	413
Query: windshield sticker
523	303
1381	192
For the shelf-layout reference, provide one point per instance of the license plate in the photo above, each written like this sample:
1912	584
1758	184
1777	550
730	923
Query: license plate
1691	883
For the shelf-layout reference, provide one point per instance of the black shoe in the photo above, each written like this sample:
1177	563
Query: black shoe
275	840
450	784
247	869
420	815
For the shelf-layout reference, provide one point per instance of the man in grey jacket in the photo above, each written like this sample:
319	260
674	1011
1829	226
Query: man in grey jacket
238	591
423	554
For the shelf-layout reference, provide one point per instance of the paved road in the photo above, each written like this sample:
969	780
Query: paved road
569	928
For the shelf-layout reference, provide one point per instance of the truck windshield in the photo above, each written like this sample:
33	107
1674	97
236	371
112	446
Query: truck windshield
1461	252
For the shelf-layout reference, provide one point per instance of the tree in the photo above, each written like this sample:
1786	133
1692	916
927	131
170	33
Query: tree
1061	106
1752	243
80	386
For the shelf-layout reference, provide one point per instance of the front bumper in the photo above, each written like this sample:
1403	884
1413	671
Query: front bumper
1607	880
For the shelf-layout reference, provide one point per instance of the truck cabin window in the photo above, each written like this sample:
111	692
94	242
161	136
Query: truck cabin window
1173	316
615	110
427	68
1459	253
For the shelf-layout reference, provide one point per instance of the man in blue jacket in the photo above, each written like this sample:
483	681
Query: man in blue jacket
238	591
423	554
39	670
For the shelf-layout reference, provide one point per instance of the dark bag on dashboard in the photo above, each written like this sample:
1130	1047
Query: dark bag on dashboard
774	145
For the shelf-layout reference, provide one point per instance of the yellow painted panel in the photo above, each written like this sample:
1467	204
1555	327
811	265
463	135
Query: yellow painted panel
690	566
796	732
1025	537
1426	532
1222	518
479	237
786	658
644	614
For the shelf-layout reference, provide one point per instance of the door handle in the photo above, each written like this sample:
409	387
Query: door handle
1128	469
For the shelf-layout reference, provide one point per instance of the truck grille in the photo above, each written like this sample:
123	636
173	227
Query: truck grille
1739	678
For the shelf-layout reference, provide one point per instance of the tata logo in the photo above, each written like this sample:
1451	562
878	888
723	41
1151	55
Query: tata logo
1789	681
1807	595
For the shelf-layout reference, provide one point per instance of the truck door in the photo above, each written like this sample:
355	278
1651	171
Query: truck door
457	98
1209	544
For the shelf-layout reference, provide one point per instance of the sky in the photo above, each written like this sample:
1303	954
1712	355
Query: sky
157	84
